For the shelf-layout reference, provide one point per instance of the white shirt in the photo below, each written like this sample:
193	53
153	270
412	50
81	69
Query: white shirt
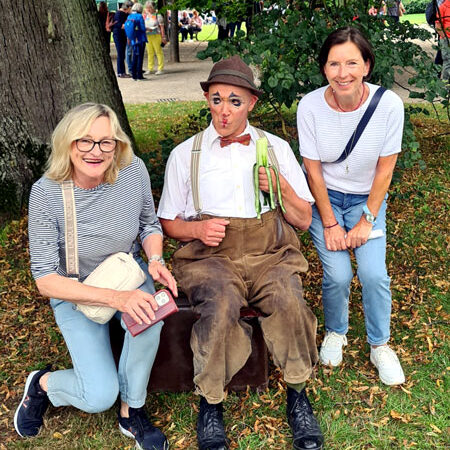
226	177
324	133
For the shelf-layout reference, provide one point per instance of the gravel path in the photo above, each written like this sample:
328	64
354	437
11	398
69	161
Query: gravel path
180	81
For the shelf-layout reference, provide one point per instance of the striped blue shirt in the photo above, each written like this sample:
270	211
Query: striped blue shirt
110	217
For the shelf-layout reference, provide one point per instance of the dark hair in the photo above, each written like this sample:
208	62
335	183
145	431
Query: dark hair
341	36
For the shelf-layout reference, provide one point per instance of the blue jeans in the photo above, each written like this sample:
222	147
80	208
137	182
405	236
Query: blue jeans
121	44
129	54
137	60
338	273
94	382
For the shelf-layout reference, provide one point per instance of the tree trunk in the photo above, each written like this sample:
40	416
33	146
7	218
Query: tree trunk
174	44
53	56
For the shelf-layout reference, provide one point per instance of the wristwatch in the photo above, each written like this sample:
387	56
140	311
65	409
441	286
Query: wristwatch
368	215
158	258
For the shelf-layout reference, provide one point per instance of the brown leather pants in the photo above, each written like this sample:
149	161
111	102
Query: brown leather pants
258	263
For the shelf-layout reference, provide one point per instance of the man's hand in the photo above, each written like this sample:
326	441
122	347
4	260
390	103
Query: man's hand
335	238
162	275
264	180
359	234
138	304
211	232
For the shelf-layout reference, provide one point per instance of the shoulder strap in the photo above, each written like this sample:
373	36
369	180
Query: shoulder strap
270	151
71	237
195	165
354	138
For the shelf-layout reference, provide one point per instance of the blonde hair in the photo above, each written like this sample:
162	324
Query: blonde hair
75	125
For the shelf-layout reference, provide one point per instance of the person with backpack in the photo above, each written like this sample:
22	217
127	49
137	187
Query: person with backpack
430	16
137	38
443	30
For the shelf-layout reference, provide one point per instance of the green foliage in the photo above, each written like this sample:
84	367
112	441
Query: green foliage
416	6
286	40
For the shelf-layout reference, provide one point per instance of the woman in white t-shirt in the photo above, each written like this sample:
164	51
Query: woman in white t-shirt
156	37
351	195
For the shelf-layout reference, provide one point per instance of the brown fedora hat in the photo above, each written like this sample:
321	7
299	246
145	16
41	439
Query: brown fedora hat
232	71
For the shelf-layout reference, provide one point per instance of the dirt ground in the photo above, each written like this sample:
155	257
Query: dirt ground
180	81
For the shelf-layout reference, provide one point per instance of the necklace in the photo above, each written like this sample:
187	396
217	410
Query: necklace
353	138
354	109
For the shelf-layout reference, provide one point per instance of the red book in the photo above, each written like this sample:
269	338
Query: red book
167	306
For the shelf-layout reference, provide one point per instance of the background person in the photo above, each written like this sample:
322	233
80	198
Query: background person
394	9
138	43
232	259
443	31
195	24
351	195
156	37
106	21
120	38
184	24
114	206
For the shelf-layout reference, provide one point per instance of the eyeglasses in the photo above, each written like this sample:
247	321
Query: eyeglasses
105	145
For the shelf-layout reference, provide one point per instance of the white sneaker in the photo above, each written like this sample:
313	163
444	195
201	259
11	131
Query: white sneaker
388	365
148	72
331	349
159	72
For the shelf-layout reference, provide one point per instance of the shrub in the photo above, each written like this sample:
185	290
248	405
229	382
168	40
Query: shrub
286	40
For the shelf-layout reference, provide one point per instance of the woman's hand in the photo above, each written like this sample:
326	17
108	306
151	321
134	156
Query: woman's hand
359	234
138	304
335	238
162	275
164	40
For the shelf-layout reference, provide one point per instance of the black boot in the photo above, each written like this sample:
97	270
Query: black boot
210	431
305	428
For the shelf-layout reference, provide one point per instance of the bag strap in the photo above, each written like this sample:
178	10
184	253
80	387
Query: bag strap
71	236
195	165
354	138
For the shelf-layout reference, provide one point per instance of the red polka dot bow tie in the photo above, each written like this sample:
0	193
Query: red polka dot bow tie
244	140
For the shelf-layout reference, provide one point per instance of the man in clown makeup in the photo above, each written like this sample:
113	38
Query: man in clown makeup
230	259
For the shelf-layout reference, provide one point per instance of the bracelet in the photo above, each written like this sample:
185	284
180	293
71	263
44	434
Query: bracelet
331	226
158	258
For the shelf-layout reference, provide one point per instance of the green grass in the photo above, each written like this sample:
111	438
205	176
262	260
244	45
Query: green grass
209	32
355	410
153	121
418	19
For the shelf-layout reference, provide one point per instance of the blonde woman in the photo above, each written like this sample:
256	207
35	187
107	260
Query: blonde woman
156	36
114	206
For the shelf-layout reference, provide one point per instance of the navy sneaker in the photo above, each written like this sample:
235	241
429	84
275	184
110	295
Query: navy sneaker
138	427
28	418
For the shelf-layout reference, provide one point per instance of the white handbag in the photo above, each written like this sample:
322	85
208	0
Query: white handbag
119	271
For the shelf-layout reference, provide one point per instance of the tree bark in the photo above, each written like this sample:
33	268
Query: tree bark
174	43
53	56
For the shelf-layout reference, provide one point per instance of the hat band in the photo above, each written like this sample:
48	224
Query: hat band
233	73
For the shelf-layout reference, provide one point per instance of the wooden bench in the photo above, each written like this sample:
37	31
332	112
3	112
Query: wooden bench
173	369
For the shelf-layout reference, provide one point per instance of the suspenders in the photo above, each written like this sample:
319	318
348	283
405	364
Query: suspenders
195	166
